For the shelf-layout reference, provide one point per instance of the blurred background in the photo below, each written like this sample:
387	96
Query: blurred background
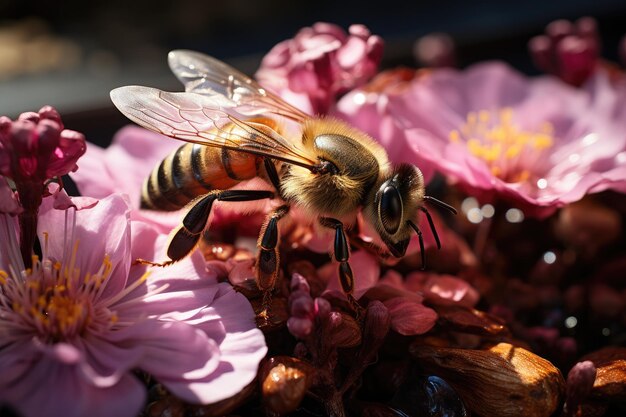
70	54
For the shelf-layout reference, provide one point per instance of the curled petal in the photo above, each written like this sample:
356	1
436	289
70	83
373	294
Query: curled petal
409	317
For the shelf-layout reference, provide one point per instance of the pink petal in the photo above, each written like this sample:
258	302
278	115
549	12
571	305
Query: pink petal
62	201
448	290
410	318
56	390
106	363
171	350
101	231
71	147
230	321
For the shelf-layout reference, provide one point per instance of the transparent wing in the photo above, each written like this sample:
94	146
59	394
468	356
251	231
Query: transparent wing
205	120
208	76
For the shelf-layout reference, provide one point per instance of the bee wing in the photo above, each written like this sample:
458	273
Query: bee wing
206	75
203	120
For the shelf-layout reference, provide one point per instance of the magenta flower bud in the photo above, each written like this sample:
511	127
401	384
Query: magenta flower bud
559	29
298	282
577	57
540	48
587	27
322	307
35	147
299	327
302	307
568	51
580	381
435	50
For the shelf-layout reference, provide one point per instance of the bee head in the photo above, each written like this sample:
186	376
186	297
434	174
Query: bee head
393	210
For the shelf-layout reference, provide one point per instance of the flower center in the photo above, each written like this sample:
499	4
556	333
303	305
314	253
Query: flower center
508	151
55	298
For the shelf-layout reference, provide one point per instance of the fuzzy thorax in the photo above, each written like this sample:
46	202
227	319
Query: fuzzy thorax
358	159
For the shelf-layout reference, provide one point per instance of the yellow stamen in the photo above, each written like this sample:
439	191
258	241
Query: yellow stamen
505	148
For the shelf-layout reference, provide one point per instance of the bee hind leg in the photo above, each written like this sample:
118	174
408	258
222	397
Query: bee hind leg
341	253
268	258
185	237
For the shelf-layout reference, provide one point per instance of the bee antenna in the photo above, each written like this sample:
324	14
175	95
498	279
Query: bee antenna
432	226
440	204
421	240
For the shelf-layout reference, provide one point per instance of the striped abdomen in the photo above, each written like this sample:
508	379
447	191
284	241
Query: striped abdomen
194	170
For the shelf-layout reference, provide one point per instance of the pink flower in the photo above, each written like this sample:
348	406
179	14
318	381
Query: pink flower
35	147
319	63
75	326
535	142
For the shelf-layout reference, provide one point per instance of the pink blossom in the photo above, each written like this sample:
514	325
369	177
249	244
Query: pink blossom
35	147
535	142
319	63
75	326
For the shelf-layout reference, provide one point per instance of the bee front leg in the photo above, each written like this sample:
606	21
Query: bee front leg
341	254
186	236
268	257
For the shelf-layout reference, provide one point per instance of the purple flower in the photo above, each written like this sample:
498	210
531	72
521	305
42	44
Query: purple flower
75	325
535	142
319	63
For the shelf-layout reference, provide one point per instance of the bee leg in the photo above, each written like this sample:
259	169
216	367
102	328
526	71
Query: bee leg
272	174
268	257
186	236
341	254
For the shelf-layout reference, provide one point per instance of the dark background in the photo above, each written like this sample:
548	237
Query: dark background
70	54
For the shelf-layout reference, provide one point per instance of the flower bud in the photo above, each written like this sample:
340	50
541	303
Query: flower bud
298	282
342	330
580	381
610	382
569	51
435	50
300	327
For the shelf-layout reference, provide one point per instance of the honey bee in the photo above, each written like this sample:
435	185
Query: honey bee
235	131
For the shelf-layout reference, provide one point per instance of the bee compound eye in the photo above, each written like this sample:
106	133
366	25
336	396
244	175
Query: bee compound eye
390	209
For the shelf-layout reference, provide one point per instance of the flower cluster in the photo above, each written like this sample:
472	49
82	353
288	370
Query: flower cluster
80	321
525	288
320	63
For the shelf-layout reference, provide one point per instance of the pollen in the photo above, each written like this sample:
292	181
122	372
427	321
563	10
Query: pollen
56	298
508	151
